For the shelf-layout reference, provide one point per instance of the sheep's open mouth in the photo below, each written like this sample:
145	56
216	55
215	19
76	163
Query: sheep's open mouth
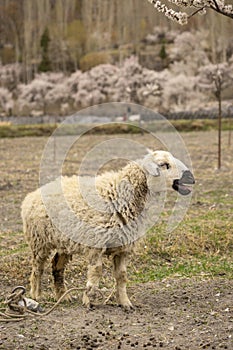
183	185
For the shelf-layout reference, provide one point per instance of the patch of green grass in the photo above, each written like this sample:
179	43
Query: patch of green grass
12	243
112	128
12	131
20	248
203	266
208	233
201	245
202	124
26	130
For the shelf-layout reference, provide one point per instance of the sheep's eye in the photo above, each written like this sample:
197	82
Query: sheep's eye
165	166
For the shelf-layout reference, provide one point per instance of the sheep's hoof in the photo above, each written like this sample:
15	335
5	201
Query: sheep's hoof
93	294
86	300
35	295
127	306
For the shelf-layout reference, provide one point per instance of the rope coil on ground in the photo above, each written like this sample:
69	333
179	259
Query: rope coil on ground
20	309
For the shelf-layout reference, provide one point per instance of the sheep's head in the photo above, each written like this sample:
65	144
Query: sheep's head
176	175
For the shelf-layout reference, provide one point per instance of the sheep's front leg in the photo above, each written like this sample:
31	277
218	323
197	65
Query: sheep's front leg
59	263
93	277
120	274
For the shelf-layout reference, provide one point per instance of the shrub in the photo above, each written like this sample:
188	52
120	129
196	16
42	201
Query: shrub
93	59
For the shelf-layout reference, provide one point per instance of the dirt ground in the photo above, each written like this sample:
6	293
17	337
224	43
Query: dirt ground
175	313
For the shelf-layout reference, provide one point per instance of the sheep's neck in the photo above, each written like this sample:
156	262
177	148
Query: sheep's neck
131	191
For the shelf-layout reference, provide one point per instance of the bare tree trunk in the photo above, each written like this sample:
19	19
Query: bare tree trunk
27	41
229	135
230	131
111	22
219	128
213	36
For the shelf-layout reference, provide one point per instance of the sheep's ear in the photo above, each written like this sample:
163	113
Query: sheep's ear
150	151
151	167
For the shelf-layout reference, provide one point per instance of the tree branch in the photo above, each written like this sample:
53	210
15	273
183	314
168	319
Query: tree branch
229	15
195	12
223	9
216	5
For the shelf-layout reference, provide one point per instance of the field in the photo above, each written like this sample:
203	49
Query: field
180	282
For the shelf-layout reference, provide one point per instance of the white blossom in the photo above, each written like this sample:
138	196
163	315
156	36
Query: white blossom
178	87
200	7
213	74
180	17
10	74
202	12
6	101
228	8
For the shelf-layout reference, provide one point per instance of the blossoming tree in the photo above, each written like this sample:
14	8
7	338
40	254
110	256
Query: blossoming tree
198	6
216	78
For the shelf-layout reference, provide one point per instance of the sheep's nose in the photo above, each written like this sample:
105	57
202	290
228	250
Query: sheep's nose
187	177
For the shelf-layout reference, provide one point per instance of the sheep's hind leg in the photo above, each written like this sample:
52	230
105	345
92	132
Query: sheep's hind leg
93	277
59	263
38	263
120	274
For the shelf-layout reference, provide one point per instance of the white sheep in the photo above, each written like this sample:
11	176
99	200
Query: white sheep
108	222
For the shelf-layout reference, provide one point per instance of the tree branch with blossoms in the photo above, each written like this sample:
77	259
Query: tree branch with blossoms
200	7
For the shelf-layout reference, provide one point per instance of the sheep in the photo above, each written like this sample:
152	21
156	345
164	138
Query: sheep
110	225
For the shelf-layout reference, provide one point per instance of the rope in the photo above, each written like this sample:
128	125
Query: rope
17	295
